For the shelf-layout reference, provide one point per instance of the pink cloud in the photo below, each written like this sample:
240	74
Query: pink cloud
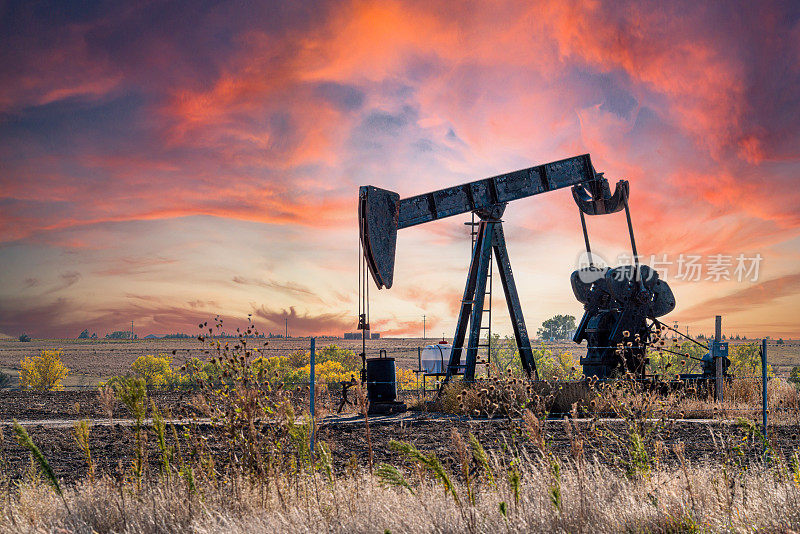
218	114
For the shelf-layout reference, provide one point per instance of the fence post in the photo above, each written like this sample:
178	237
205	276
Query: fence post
419	368
764	385
718	393
311	381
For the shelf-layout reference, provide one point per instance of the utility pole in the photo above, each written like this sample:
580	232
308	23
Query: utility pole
286	327
131	330
717	359
423	327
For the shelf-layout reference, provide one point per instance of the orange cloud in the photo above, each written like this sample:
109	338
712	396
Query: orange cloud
752	297
704	82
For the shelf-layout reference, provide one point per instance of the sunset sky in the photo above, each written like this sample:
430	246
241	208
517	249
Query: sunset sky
162	163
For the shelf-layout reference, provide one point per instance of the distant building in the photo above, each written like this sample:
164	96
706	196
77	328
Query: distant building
121	334
357	335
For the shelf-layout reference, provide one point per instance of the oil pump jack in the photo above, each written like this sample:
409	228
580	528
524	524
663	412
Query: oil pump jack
618	302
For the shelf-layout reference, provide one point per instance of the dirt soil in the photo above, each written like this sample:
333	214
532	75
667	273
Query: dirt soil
112	445
68	405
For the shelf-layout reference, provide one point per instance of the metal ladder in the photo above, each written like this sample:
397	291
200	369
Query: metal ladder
486	321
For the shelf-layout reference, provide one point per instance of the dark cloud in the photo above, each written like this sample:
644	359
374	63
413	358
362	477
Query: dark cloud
622	103
88	102
344	97
382	122
76	126
305	324
56	48
66	279
65	318
45	319
285	287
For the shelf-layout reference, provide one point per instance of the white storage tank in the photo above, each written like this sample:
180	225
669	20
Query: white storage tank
436	357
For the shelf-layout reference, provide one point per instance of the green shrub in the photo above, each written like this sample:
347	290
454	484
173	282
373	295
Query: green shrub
350	361
333	364
156	371
277	369
794	377
746	360
550	364
668	364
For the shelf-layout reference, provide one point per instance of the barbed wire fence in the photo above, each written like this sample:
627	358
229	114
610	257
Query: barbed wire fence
768	398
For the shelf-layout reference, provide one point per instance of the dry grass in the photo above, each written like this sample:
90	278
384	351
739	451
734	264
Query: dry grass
510	396
267	478
592	498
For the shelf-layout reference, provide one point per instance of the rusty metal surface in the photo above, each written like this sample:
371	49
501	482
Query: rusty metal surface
514	306
382	212
483	194
582	280
613	306
618	301
490	237
377	215
653	293
595	198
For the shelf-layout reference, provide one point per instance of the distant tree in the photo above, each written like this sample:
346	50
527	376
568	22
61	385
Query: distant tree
178	335
25	338
94	335
557	327
84	334
780	341
119	334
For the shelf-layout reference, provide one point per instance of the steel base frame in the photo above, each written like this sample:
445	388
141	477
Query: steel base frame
490	237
